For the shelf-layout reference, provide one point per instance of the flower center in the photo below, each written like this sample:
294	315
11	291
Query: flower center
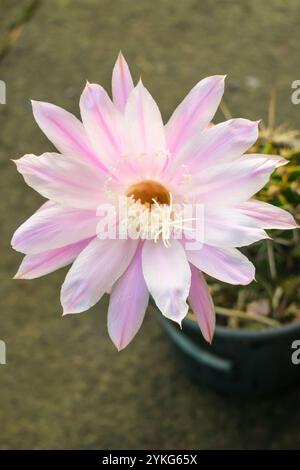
147	191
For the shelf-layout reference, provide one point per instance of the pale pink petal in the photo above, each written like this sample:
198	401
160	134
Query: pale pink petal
146	147
231	183
103	123
94	271
195	112
277	160
122	83
168	277
64	180
64	130
225	264
202	305
228	227
34	266
128	302
268	216
53	226
221	143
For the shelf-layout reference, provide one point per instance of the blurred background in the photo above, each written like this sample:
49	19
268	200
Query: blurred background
64	384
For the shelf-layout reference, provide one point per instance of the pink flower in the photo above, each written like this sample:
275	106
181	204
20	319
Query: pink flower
122	149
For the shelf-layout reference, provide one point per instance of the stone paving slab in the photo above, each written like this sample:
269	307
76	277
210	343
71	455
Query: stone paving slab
64	385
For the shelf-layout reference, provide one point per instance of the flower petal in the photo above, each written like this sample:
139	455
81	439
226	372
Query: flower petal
268	216
202	305
122	83
64	130
145	133
277	160
54	226
195	112
64	179
128	302
34	266
225	264
221	143
94	271
232	183
168	277
103	123
228	227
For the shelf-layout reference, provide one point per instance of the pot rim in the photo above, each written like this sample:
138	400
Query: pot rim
235	332
238	332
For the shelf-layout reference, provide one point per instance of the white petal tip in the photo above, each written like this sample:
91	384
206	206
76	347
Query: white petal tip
21	276
247	281
208	339
282	162
65	313
72	311
179	323
119	346
286	226
36	105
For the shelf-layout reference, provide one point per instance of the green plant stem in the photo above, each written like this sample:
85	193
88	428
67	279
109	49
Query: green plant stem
246	316
225	110
271	259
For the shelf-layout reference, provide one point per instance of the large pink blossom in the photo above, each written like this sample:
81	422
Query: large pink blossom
122	149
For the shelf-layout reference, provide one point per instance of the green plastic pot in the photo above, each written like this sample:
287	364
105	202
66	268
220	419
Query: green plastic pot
240	362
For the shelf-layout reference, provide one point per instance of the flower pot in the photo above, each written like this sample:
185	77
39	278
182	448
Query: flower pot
239	362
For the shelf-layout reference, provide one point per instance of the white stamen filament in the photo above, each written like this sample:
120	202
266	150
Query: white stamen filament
153	222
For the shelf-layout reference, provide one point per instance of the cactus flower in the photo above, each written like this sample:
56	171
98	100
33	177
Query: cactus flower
121	150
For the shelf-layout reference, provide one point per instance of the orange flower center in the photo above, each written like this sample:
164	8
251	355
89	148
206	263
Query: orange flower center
147	190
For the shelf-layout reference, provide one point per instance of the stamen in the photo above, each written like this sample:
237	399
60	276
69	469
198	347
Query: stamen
153	221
